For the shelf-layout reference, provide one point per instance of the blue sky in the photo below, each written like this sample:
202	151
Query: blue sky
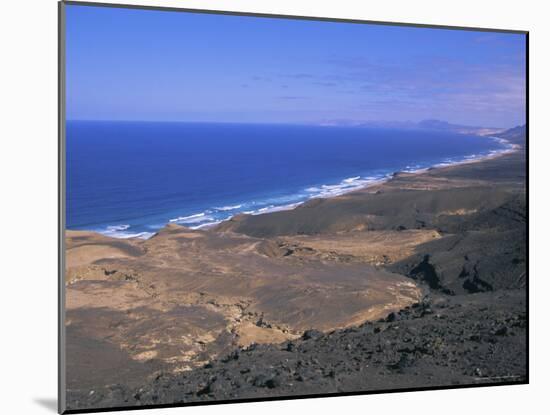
125	64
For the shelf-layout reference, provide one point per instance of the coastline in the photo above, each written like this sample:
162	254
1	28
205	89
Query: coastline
346	186
514	148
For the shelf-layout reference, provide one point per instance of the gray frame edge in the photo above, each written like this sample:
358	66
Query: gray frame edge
289	16
61	349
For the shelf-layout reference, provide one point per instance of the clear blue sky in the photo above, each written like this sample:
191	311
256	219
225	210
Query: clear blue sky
125	64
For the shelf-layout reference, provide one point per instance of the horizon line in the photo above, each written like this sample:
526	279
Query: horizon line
327	123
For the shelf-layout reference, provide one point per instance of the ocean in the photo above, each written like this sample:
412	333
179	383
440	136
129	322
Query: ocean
129	179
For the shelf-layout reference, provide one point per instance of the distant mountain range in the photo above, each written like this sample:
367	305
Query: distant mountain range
437	125
515	135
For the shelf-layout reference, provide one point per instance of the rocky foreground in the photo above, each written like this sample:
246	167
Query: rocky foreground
417	282
442	341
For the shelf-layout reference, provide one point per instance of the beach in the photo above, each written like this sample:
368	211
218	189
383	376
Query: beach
416	279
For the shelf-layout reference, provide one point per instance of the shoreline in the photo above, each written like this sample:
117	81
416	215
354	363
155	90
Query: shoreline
514	148
118	231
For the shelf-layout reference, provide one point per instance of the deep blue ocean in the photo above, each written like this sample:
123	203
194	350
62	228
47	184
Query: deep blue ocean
131	178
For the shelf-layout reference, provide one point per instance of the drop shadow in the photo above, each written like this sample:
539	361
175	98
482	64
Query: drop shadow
48	403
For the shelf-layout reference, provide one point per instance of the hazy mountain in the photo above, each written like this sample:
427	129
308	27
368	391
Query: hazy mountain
515	135
437	125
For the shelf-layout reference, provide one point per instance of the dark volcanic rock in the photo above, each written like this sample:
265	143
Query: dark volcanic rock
311	334
426	272
471	261
464	339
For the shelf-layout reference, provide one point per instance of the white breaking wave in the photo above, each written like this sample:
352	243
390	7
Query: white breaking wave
351	179
206	225
196	218
119	231
273	208
345	186
225	208
116	228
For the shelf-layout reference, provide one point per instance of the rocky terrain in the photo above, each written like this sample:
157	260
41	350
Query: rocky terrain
442	341
417	282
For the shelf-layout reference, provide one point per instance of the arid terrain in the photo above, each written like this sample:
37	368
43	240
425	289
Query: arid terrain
418	281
